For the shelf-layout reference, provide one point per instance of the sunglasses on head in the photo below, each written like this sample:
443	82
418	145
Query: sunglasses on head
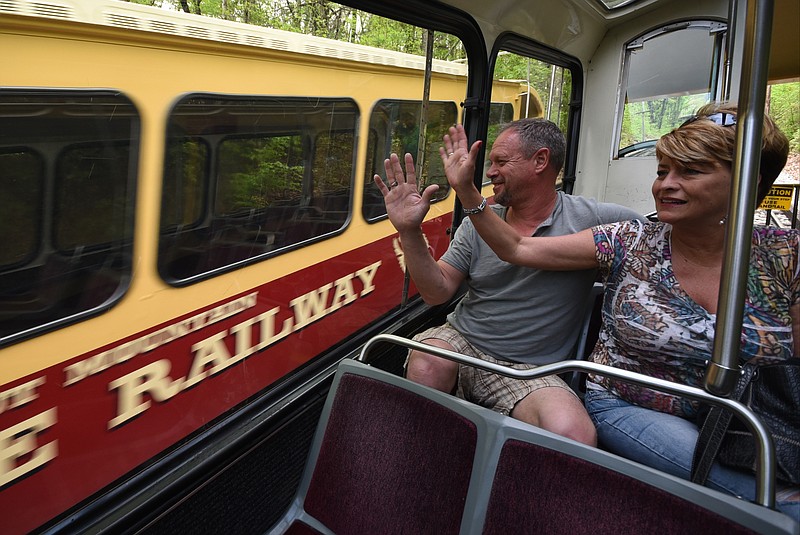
719	118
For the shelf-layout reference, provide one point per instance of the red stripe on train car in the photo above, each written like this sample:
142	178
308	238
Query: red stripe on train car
82	424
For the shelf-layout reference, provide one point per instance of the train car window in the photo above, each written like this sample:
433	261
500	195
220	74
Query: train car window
255	172
656	100
536	88
332	167
500	113
67	185
394	127
250	177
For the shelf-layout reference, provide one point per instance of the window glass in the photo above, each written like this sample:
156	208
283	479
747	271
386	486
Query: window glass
67	187
21	187
96	171
536	88
183	194
256	172
532	88
249	177
499	114
332	166
394	127
655	99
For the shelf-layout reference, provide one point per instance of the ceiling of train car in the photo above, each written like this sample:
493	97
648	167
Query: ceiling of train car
577	26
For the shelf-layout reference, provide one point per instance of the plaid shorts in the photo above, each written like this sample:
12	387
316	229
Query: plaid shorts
490	390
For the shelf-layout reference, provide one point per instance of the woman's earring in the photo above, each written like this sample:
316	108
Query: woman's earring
723	220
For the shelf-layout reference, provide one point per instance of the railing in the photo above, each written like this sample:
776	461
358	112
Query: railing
765	452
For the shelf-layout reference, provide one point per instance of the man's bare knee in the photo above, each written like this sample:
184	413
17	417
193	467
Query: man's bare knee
572	426
558	411
432	371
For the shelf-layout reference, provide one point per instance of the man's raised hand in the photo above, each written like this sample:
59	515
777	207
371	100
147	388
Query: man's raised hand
459	158
405	206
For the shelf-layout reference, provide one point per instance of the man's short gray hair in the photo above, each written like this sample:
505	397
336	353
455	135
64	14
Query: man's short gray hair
537	133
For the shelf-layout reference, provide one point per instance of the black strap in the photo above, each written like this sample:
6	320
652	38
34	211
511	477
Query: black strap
713	431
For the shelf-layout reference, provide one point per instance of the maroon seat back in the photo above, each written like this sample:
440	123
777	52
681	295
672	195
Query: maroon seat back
391	461
557	493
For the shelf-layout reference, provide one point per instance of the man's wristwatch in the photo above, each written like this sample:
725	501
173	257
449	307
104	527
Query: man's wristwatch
479	209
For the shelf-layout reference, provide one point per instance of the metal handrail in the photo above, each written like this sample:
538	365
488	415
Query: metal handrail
765	452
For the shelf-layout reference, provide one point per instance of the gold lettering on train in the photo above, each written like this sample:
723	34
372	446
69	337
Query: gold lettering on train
366	275
243	334
20	395
124	352
210	352
211	355
21	441
311	306
152	379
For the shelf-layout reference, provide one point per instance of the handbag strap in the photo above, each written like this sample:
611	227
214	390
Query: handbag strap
713	430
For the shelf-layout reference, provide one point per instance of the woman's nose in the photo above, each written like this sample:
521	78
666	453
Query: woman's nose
670	180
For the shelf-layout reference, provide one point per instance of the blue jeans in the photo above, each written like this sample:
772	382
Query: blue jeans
664	442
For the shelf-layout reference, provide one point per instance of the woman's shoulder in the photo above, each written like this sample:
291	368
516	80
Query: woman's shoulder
776	238
636	227
776	251
637	238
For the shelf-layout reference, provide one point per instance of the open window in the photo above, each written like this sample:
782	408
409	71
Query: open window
655	99
394	126
529	81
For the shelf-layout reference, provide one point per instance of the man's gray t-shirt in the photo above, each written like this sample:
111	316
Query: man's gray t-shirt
522	314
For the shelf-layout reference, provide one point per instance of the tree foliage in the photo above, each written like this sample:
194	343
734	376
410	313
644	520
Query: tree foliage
784	107
321	18
334	21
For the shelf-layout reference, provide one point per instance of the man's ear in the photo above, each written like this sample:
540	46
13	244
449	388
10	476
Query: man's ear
541	159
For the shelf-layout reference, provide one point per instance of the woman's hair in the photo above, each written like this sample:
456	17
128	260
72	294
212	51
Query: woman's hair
702	141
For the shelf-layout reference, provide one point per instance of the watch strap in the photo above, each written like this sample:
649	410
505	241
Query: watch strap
478	209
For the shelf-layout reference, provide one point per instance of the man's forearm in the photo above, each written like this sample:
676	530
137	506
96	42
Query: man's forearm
423	268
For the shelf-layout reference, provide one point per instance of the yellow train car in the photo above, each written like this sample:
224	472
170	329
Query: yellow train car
194	228
192	244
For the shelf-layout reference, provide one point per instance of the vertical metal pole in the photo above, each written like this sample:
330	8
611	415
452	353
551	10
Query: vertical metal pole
528	89
733	14
421	138
724	370
552	94
426	96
